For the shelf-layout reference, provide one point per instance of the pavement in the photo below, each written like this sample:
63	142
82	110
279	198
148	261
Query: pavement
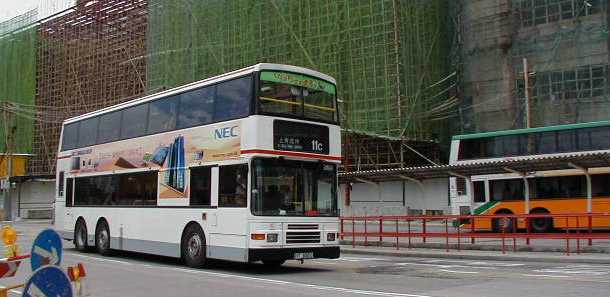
552	257
381	272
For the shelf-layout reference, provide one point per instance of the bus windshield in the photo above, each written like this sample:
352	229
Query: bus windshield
293	188
297	95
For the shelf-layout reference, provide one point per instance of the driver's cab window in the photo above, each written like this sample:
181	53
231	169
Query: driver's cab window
233	185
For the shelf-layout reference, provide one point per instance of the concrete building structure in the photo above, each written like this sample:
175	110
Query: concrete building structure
33	198
565	44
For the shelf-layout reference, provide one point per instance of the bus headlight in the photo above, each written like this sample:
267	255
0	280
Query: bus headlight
330	237
272	237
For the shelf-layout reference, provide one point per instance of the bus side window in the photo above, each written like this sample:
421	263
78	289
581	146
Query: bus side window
233	99
201	186
60	187
69	191
479	191
233	185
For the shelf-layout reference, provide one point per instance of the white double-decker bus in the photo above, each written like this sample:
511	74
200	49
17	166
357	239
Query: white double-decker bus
240	167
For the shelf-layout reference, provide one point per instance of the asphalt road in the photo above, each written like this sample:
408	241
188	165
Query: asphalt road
128	274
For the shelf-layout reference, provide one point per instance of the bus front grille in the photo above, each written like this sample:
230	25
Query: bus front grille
302	226
302	237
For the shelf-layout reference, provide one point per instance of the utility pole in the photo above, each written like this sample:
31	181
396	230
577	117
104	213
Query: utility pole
528	95
8	140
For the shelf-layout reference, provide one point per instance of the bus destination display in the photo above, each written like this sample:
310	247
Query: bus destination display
299	137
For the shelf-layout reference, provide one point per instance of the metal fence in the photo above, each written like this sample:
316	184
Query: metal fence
570	231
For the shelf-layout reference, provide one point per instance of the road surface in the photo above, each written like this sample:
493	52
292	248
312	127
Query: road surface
129	274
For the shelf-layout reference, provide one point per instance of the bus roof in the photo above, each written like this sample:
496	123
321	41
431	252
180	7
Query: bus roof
203	82
531	130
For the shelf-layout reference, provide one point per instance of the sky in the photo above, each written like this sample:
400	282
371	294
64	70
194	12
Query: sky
13	8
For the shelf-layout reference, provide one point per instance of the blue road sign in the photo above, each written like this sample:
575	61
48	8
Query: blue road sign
49	281
46	249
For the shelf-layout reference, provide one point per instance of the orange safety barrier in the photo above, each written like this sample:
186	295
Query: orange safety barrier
568	227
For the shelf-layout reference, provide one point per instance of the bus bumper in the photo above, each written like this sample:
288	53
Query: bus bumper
331	252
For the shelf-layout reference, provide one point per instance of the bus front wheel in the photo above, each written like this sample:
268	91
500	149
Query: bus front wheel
80	236
193	246
503	225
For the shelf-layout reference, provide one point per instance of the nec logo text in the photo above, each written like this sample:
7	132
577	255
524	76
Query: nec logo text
225	132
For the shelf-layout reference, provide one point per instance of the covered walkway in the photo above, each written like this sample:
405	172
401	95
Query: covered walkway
582	163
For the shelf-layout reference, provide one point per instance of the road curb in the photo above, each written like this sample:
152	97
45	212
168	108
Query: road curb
480	247
460	255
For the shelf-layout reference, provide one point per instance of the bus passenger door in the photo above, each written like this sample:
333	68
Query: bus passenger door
63	218
214	198
229	237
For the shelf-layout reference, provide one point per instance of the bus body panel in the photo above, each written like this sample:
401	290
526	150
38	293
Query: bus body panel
229	237
557	206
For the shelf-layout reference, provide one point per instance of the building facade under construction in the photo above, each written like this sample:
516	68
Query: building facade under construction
410	73
392	60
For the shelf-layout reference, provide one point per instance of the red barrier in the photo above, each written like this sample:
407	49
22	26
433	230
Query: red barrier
480	226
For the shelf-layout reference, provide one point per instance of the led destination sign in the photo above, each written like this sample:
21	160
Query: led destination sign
299	137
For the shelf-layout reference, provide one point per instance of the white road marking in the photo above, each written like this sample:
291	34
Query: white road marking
288	283
100	259
443	265
578	269
355	259
455	271
587	272
476	262
545	275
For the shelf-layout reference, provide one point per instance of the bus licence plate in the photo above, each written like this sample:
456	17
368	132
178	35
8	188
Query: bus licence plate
299	256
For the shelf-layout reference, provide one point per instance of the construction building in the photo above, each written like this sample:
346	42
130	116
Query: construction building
565	46
410	73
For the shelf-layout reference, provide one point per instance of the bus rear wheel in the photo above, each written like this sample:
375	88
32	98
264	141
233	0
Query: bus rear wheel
541	225
102	238
193	246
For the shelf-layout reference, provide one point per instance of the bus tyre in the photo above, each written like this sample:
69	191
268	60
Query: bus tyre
193	246
80	236
273	263
541	225
102	238
503	225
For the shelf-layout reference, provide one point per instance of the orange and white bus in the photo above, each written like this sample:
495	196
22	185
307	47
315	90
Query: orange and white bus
571	190
240	166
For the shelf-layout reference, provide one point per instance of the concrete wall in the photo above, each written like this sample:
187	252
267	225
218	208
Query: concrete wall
396	198
32	199
493	43
487	80
35	195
